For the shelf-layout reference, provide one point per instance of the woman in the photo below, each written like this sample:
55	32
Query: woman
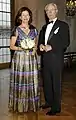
24	92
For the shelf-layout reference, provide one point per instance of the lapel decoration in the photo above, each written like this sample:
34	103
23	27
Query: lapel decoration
56	30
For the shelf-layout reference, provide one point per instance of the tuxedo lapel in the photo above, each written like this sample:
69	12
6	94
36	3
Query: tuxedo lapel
52	31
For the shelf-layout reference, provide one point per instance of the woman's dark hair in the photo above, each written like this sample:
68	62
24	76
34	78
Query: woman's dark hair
18	21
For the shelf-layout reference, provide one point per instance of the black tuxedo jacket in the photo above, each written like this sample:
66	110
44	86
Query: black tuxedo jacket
59	40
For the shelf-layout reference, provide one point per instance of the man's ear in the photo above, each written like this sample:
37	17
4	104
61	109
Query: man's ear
56	10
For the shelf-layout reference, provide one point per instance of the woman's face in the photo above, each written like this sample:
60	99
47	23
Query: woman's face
25	16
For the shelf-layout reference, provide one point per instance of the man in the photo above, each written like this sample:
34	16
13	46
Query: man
53	41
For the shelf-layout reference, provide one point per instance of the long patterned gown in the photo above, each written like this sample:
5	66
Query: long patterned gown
24	92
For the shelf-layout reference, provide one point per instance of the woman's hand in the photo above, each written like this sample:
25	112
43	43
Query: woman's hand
34	50
19	49
42	47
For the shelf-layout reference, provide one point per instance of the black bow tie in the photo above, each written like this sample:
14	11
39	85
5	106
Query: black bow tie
50	22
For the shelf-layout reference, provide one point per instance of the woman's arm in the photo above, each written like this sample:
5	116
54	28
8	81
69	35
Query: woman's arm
13	41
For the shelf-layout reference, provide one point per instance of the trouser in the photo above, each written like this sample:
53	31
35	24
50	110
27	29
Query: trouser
52	85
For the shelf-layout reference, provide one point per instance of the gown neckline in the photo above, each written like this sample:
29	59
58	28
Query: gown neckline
24	32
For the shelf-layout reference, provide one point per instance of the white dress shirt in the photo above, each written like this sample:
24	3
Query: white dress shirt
48	30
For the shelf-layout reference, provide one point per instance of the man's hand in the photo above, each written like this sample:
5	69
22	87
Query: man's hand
48	48
42	47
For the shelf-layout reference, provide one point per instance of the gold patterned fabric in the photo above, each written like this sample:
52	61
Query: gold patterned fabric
24	92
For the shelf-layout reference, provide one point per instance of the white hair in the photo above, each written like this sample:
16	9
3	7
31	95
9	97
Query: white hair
53	4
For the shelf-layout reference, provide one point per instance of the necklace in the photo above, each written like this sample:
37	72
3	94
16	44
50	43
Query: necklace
25	27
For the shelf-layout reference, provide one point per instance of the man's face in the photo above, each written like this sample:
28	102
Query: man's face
51	12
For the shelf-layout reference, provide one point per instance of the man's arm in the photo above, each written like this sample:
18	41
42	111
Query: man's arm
67	38
40	41
61	40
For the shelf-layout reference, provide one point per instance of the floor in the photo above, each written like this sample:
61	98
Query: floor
68	99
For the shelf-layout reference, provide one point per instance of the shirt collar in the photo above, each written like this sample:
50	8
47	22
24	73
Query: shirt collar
54	20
